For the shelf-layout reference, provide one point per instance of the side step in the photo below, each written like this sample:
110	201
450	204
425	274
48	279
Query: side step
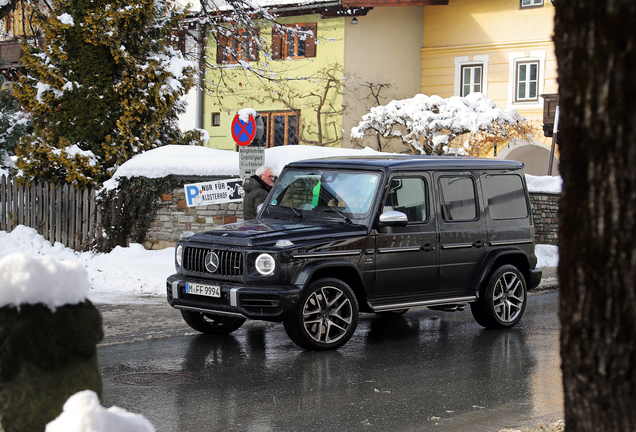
456	301
449	307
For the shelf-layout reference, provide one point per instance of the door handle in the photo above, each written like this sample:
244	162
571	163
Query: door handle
427	247
478	244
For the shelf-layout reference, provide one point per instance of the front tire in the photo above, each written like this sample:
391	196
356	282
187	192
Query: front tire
503	300
210	323
327	316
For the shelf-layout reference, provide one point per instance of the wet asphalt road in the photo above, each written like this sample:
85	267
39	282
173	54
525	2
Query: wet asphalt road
424	371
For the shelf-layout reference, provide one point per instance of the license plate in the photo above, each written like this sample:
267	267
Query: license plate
204	290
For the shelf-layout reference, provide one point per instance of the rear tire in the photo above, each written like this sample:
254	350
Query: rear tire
327	316
502	301
210	323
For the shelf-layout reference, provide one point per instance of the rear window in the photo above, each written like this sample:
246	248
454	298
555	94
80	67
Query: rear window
505	196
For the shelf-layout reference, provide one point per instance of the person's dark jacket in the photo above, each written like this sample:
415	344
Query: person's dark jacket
256	191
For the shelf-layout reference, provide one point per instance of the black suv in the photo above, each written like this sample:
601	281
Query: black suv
339	236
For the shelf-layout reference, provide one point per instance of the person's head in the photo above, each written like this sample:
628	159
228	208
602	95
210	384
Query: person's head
265	174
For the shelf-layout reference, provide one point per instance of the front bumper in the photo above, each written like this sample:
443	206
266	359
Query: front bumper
268	303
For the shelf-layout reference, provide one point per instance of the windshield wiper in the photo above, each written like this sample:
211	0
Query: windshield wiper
338	212
296	212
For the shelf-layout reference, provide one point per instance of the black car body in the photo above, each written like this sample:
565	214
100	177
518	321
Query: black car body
339	236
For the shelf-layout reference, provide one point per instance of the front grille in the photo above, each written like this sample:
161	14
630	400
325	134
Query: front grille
230	262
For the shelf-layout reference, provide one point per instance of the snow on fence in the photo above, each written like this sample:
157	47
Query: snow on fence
59	212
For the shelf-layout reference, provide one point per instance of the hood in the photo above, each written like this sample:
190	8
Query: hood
266	232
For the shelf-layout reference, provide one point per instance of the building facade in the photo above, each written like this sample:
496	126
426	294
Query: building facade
503	49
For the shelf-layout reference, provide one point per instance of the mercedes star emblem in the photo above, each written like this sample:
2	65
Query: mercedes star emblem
211	262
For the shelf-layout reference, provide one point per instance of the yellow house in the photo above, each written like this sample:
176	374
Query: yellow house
502	48
337	62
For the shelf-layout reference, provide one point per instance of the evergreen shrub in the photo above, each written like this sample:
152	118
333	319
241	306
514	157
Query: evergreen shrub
128	210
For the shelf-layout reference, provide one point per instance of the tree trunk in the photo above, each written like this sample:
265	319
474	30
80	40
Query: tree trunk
596	50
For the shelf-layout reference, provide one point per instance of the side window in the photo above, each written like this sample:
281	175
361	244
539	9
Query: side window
471	75
408	195
525	4
241	46
281	128
471	79
527	83
458	199
294	41
505	196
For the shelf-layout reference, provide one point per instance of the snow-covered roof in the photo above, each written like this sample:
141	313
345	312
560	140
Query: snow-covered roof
205	161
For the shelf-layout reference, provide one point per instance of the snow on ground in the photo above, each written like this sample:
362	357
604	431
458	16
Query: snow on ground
124	275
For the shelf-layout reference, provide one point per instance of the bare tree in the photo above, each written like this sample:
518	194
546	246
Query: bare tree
323	96
596	51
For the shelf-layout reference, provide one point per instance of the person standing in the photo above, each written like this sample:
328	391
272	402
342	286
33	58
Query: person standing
256	189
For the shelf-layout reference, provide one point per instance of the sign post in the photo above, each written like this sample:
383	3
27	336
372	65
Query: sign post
247	127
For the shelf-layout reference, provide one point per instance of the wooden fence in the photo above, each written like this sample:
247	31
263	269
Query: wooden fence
59	212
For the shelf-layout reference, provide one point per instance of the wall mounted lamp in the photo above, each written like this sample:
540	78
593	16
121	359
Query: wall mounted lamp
354	21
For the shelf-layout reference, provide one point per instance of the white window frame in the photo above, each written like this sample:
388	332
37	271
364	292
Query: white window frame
514	59
478	60
526	4
527	81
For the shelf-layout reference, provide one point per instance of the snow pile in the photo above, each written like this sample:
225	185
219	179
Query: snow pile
82	412
32	279
178	160
546	184
123	275
547	255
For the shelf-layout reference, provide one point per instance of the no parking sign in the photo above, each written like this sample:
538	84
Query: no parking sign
243	129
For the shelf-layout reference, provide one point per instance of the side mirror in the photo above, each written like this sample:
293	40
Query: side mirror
393	218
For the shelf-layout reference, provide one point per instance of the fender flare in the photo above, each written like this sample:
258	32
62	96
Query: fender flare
487	264
307	271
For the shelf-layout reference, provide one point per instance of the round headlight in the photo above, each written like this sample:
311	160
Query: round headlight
265	264
179	255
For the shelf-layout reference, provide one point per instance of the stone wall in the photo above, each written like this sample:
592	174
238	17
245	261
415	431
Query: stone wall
545	212
174	217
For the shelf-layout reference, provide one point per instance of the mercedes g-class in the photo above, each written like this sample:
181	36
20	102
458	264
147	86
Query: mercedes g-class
340	236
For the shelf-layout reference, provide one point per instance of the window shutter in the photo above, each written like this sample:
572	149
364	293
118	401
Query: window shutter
277	43
310	42
221	43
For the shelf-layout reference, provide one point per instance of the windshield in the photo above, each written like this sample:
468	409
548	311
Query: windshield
344	194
